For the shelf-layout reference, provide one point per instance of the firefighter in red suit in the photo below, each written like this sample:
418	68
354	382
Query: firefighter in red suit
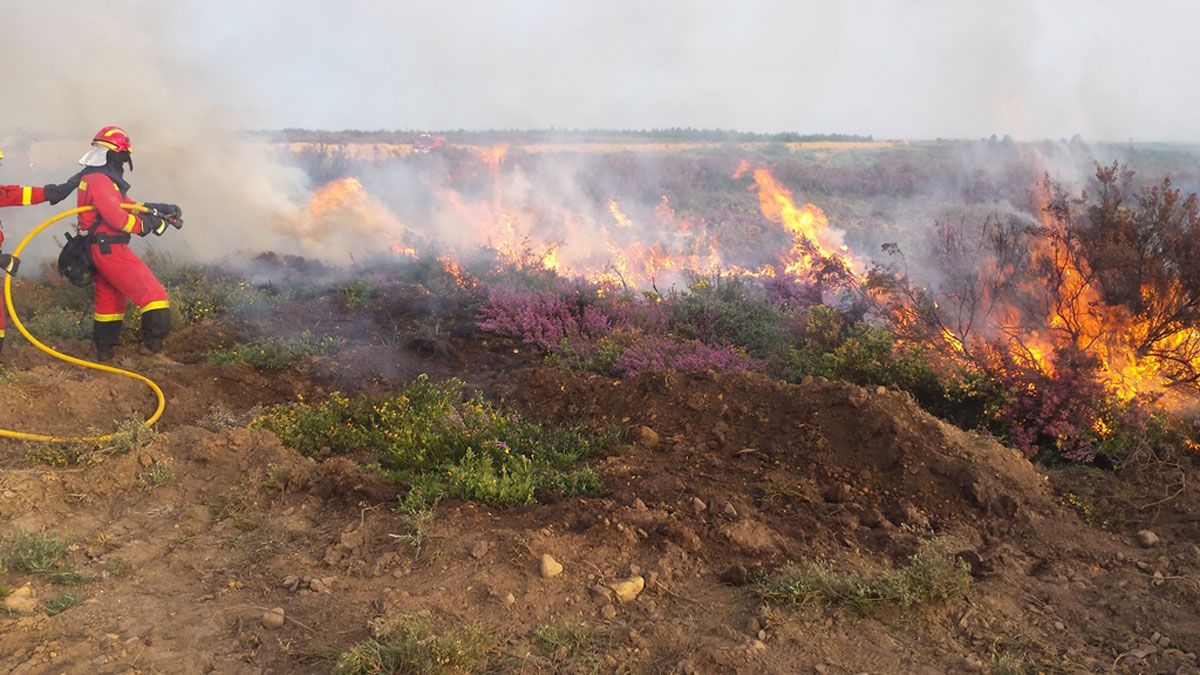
24	195
120	276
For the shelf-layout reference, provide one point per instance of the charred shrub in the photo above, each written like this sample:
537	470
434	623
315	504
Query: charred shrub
433	439
272	353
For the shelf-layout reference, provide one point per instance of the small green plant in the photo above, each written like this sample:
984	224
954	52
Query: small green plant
158	474
274	353
61	603
929	576
409	644
131	435
571	636
1081	505
26	552
117	568
57	454
1008	663
417	511
433	440
220	417
70	578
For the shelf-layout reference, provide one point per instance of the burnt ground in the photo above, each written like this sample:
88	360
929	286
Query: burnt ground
719	477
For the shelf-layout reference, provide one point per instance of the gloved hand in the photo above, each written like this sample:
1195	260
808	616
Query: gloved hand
9	264
152	222
55	193
170	212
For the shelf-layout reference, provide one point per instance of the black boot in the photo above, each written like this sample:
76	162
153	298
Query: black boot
106	334
156	323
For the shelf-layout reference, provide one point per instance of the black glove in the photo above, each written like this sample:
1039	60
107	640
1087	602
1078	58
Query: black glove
169	212
152	222
55	193
9	264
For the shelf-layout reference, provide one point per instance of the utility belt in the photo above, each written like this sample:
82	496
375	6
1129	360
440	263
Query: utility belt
105	241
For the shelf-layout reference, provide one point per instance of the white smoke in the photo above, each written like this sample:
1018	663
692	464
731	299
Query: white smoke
122	63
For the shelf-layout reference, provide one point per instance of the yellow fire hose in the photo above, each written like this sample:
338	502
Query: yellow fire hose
12	313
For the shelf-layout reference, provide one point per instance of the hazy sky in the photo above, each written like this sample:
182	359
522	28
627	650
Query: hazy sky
1107	69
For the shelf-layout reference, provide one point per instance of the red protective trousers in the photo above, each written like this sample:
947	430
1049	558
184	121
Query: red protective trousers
120	275
16	195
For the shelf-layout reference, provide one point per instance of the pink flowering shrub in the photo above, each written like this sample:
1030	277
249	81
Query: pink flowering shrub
547	320
656	354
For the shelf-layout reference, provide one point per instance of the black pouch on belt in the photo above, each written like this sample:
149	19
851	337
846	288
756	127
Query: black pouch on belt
75	260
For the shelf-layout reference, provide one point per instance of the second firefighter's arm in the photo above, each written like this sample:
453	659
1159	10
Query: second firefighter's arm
21	195
107	200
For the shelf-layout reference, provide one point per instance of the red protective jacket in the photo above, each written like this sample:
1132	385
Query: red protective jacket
20	195
98	190
17	195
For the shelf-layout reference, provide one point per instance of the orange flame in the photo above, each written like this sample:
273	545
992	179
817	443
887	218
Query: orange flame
343	204
622	219
812	239
494	155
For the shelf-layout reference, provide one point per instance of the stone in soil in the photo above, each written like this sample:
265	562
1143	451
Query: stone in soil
273	618
627	590
550	567
21	601
1147	539
648	437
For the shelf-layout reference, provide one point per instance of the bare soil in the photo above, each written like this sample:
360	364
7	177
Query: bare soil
719	477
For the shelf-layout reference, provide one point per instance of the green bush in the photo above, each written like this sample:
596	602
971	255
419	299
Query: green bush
59	322
434	440
274	353
357	294
730	312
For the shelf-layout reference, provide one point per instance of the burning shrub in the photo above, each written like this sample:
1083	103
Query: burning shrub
1080	320
433	440
1061	413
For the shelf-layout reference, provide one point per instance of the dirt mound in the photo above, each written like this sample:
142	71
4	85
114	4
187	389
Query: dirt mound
873	453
